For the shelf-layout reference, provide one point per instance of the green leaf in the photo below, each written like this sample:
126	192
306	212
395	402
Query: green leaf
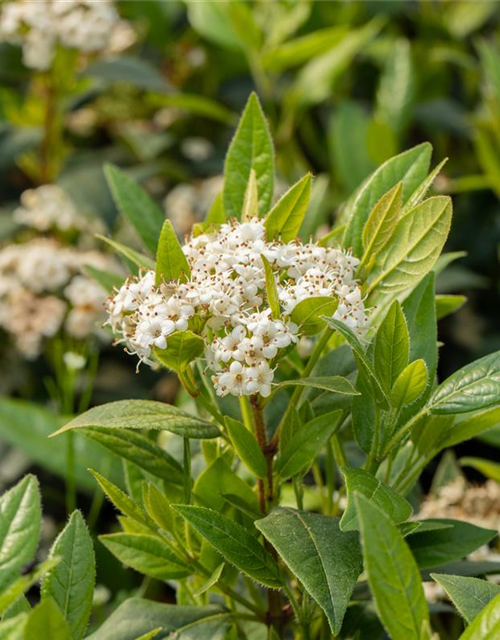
358	481
219	480
106	279
433	548
46	621
410	168
12	595
271	289
421	191
150	635
246	447
211	581
251	148
216	213
488	468
134	203
20	518
70	584
475	386
251	199
147	554
308	314
410	384
392	573
336	384
13	628
305	445
143	414
136	616
135	257
469	595
392	345
235	543
140	450
446	305
381	222
413	248
182	348
284	220
157	507
486	626
171	263
467	426
396	89
325	560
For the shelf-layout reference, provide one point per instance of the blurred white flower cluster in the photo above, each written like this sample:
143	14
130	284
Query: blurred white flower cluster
227	290
88	26
42	285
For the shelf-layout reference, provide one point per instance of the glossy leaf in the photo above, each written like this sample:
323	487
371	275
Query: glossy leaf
392	573
20	519
392	345
475	386
183	347
305	445
143	414
285	218
147	554
171	263
469	595
235	543
70	584
134	203
486	626
46	621
309	313
325	560
251	148
246	447
358	481
410	384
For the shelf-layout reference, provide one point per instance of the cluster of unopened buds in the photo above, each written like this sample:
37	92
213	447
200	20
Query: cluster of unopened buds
226	295
41	26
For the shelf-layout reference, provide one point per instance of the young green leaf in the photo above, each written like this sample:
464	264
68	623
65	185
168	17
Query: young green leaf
434	548
361	482
147	554
246	447
140	450
271	289
46	621
132	255
488	468
171	263
306	444
217	481
381	223
413	248
136	205
392	345
309	313
285	218
325	560
475	386
70	584
12	600
469	595
13	628
19	527
410	384
486	626
216	213
446	305
106	279
235	543
335	384
420	192
410	168
251	148
212	580
183	347
251	199
143	414
392	573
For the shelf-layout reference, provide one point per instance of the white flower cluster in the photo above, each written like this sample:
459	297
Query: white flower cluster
227	289
42	289
47	207
42	25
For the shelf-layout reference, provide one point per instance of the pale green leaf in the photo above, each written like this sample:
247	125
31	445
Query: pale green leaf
392	573
246	447
469	595
397	87
46	621
421	191
235	543
143	414
106	279
211	581
271	289
326	560
171	263
308	314
13	594
70	584
410	384
448	304
358	481
251	148
251	199
284	220
486	626
157	507
381	223
488	468
133	256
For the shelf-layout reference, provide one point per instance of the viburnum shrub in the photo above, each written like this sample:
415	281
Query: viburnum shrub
311	407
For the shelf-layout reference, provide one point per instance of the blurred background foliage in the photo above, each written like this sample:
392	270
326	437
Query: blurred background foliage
345	85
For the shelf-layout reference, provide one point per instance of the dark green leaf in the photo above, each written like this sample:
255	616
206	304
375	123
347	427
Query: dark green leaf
246	447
